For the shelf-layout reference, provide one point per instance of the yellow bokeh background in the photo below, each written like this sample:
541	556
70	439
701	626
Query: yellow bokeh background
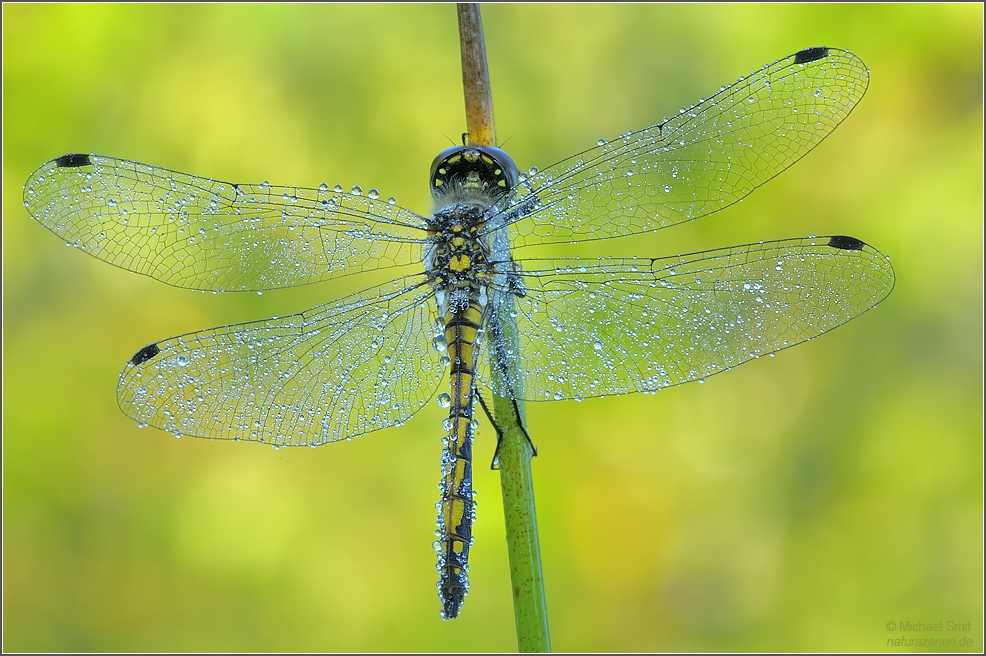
797	503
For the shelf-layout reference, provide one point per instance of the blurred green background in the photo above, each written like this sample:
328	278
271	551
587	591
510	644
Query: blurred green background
796	503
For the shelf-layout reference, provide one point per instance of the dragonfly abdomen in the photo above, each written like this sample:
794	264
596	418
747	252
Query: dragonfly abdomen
462	326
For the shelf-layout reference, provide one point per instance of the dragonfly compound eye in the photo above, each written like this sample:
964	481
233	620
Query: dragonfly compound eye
480	168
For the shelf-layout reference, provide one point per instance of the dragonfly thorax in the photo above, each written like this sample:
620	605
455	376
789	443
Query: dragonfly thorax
459	257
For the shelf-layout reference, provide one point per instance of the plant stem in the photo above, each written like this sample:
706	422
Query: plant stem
514	450
475	77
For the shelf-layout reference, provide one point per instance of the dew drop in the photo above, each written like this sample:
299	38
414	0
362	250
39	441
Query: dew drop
323	187
373	194
356	190
444	400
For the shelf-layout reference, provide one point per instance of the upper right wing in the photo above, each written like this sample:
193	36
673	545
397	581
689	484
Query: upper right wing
700	161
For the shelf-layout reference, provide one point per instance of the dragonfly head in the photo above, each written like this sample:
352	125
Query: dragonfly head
481	170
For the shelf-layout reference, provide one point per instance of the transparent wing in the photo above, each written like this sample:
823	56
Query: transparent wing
706	158
204	234
605	327
338	371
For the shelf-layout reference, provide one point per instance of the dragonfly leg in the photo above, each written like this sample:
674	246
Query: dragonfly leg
499	431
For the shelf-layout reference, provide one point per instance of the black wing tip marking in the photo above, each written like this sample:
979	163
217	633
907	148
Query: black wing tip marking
144	354
846	243
73	160
810	55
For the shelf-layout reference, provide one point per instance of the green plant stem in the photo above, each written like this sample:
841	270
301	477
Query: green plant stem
514	450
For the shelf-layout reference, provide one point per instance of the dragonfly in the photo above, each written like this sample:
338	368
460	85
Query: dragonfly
464	284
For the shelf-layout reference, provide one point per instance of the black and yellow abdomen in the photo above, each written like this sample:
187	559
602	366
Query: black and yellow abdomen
457	505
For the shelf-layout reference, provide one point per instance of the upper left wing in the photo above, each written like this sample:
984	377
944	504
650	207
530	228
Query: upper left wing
200	233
